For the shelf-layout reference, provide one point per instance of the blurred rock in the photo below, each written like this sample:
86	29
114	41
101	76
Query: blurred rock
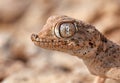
8	67
18	53
10	10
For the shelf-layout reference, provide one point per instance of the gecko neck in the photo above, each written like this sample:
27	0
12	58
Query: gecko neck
105	57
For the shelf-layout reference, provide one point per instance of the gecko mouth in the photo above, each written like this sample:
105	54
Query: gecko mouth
49	42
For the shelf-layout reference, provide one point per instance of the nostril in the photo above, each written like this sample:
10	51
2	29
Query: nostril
34	37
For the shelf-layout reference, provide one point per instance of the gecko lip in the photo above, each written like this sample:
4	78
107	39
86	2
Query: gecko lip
51	43
42	41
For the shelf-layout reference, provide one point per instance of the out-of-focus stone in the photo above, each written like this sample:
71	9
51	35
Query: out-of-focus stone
10	10
9	67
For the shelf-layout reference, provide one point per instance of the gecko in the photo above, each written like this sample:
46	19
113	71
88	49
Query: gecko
77	38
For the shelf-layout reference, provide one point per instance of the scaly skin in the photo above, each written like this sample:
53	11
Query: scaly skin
65	34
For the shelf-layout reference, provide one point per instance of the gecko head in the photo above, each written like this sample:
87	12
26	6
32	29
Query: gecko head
65	34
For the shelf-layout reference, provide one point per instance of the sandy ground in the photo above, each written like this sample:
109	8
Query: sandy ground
22	62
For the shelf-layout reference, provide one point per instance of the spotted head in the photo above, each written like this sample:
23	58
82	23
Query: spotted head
66	34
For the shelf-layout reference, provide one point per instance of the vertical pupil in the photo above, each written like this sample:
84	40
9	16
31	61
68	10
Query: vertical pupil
67	29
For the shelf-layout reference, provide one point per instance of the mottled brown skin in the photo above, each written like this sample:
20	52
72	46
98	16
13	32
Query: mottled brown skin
101	56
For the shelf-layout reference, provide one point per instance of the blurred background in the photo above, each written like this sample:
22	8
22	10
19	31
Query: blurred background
23	62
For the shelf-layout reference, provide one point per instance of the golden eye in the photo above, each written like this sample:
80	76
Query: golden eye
65	30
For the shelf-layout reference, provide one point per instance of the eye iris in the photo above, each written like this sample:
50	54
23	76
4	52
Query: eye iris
67	29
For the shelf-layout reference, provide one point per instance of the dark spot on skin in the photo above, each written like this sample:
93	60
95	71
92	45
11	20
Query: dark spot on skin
72	39
99	49
91	44
110	47
76	41
104	39
58	40
85	53
101	60
77	44
106	50
65	42
89	40
52	40
1	79
79	38
114	51
117	48
114	56
109	55
87	31
96	54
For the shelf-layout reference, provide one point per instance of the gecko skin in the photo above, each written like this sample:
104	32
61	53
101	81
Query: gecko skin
72	36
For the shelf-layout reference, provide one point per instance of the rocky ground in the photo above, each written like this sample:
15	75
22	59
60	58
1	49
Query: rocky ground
22	62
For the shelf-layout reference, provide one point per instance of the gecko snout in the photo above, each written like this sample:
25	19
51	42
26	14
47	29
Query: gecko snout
34	37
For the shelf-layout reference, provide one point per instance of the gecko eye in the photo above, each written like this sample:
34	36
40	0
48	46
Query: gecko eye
66	30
